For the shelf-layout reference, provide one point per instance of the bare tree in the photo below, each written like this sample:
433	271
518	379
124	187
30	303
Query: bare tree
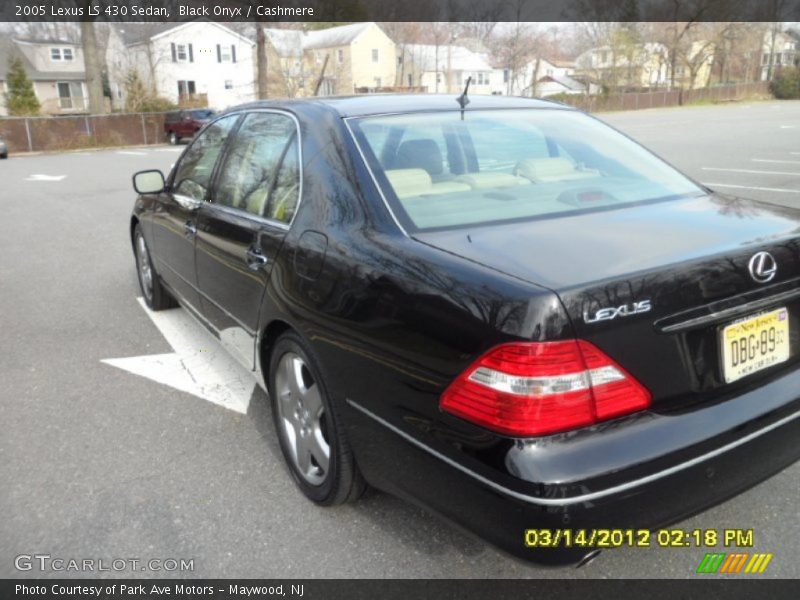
92	62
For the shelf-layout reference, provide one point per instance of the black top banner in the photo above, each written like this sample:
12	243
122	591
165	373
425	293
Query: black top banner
400	10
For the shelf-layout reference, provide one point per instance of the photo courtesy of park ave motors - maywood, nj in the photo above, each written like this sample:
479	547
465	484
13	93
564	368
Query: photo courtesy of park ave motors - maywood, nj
358	299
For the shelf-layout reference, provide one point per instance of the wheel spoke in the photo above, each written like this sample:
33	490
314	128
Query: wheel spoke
320	450
313	401
303	454
296	377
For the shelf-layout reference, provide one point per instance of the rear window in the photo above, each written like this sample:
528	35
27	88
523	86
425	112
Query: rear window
202	114
439	170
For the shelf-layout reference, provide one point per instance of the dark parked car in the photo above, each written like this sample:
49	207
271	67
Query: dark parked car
510	314
3	148
180	124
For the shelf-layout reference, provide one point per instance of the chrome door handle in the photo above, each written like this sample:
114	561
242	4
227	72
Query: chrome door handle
190	229
256	260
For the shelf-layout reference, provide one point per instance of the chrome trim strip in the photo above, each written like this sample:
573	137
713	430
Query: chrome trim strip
729	313
374	179
583	497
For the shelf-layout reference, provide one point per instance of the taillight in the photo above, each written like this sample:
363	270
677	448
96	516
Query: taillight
538	388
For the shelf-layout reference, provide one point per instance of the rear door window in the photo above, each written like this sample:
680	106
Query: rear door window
260	174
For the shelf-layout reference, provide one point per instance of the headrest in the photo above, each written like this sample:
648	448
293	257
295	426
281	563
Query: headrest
420	154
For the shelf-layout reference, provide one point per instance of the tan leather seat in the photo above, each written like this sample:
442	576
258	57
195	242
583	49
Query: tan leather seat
479	181
553	168
408	183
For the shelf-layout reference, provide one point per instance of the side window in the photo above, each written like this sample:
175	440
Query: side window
286	192
251	170
193	175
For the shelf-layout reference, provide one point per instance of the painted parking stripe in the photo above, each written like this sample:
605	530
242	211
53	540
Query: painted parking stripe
751	187
44	177
750	171
199	364
169	149
773	160
131	153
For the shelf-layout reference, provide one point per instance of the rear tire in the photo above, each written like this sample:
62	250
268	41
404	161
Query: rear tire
173	138
310	431
155	295
4	155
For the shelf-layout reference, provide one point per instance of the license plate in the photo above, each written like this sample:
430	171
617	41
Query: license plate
754	344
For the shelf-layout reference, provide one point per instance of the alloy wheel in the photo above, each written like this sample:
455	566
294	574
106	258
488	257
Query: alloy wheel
302	419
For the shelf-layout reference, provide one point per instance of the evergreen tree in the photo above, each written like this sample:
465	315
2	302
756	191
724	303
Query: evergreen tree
21	100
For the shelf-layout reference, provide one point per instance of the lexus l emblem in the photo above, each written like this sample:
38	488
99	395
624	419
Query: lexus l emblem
763	267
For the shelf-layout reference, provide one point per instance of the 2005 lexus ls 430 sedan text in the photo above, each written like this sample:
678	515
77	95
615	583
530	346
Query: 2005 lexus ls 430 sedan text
504	310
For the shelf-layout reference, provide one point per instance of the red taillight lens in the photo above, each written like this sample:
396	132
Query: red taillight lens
538	388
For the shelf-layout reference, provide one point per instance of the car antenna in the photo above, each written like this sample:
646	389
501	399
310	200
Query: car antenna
463	100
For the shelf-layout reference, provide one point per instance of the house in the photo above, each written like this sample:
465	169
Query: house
779	50
343	60
537	77
633	66
198	63
693	67
56	70
445	68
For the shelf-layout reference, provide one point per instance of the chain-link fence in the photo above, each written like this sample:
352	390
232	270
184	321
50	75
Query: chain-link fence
34	134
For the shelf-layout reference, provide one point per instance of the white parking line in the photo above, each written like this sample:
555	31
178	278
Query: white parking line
787	126
751	187
43	177
169	149
772	160
131	153
199	365
750	171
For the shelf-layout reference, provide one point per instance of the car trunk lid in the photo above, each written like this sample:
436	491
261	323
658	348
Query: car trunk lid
652	285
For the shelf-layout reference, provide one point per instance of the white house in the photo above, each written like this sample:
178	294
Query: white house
538	77
778	50
54	67
444	68
197	63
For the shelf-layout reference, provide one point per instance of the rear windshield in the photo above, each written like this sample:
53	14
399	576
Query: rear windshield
439	170
202	114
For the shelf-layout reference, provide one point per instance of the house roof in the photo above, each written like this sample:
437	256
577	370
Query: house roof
458	58
292	42
334	36
10	48
137	33
567	82
287	42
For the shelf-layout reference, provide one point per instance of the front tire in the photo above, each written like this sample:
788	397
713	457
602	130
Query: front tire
173	138
155	295
310	431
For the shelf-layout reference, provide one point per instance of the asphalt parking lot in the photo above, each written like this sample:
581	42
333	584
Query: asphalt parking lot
97	461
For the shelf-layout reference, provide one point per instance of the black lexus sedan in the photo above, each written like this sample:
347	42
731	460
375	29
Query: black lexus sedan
504	311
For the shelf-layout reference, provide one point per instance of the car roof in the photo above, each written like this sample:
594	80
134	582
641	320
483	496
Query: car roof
375	104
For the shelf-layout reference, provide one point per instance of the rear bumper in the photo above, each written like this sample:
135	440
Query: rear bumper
596	479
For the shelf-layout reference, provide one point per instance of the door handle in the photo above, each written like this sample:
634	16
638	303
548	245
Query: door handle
190	229
255	259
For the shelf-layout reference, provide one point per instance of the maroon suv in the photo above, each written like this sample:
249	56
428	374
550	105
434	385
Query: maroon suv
181	124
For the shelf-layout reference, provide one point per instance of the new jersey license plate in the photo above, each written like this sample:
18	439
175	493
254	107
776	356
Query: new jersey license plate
754	344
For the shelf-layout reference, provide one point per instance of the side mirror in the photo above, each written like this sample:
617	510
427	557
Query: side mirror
148	182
